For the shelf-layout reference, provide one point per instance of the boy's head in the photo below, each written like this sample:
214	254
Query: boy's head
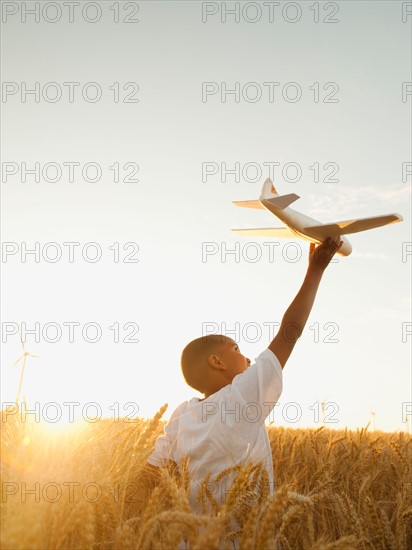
211	362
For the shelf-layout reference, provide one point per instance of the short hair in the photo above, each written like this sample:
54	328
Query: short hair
194	359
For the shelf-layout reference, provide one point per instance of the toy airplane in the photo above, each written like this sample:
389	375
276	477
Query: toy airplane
299	225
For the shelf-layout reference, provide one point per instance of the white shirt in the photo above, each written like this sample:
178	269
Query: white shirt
225	429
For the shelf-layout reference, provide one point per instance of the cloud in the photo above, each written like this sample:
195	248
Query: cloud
384	314
370	255
350	200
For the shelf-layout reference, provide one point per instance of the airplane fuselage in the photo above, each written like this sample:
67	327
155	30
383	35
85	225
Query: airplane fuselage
297	222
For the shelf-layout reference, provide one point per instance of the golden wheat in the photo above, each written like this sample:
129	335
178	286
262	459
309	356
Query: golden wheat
89	489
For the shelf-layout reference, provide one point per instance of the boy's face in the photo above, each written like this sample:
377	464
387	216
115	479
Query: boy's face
234	361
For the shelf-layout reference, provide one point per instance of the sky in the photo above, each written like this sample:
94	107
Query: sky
176	109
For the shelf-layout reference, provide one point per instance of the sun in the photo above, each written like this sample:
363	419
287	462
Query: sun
62	426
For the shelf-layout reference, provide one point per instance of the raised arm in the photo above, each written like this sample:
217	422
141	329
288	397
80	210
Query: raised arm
298	312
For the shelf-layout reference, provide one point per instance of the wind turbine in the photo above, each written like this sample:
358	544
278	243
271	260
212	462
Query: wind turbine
24	358
373	415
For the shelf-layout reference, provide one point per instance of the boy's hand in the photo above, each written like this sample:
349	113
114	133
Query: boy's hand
321	255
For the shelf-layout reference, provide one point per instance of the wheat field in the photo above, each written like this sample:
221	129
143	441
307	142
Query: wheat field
88	489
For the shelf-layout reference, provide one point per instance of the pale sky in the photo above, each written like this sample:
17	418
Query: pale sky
346	142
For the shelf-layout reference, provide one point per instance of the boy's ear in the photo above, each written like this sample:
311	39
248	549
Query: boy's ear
214	361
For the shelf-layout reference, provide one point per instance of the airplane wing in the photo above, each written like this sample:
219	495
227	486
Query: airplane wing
324	231
250	204
265	232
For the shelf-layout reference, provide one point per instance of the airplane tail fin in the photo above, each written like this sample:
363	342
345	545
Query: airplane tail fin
271	196
268	190
282	201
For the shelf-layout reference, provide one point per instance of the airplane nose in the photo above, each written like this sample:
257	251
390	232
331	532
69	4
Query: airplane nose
346	247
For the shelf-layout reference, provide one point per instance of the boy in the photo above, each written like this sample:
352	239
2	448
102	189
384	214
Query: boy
227	427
